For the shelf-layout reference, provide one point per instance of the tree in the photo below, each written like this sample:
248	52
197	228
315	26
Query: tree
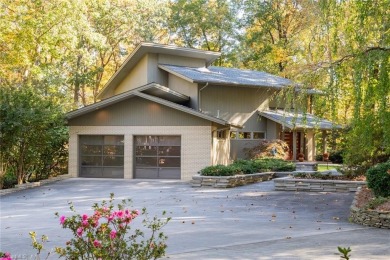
32	134
273	34
206	24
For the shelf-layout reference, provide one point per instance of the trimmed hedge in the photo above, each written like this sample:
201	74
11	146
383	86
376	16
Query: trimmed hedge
378	179
248	167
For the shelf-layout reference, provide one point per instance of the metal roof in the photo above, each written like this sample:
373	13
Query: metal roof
227	76
293	120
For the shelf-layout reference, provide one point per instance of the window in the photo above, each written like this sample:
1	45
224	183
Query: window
258	135
244	135
221	134
233	135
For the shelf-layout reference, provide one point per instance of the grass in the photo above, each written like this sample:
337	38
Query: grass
324	167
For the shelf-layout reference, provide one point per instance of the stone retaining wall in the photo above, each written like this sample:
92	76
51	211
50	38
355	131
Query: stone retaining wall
291	184
33	184
369	217
230	181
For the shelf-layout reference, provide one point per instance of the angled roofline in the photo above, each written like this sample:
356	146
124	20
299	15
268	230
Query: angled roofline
165	68
148	47
161	66
136	92
292	127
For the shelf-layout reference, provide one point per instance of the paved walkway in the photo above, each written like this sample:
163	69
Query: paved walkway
250	222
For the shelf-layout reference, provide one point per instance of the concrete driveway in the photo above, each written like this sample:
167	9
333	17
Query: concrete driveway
250	222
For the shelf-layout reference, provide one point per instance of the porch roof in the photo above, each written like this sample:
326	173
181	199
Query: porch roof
297	121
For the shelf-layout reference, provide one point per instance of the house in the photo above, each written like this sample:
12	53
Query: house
166	113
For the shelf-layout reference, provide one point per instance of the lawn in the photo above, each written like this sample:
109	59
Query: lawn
324	167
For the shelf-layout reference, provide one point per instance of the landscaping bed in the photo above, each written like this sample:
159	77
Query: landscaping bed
230	181
298	184
370	211
241	172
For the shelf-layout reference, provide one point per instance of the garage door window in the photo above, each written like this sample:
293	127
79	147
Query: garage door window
157	157
101	156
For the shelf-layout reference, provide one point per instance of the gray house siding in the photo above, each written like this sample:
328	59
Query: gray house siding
138	112
187	88
138	76
234	104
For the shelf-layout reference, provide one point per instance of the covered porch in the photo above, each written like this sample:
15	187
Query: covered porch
299	131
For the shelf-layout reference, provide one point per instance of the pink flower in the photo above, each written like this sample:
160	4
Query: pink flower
85	217
80	231
112	234
84	223
6	256
119	214
111	217
97	243
62	220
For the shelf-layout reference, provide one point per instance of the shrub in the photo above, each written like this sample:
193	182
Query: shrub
8	180
248	167
378	179
336	157
218	170
272	164
269	148
106	234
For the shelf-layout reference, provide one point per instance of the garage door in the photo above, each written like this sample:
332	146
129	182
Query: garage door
157	157
101	156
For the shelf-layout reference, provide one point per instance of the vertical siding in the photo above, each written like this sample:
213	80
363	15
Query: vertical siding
154	73
195	145
137	77
186	88
137	111
180	61
234	104
272	130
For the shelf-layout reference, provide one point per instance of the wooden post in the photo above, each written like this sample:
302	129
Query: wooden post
324	138
294	146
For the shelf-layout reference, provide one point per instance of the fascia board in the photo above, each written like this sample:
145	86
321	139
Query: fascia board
161	66
181	108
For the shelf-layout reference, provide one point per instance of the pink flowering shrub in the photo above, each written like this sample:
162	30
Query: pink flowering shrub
107	233
5	256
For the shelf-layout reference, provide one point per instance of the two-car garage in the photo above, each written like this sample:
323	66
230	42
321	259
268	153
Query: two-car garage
155	157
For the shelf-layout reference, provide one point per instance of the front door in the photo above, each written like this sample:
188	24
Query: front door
288	138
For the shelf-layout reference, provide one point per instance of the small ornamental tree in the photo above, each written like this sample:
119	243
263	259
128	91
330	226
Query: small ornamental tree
105	234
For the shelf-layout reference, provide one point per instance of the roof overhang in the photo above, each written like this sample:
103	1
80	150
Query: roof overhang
299	121
140	92
147	47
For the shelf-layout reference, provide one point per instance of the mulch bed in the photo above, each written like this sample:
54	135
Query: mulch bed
365	195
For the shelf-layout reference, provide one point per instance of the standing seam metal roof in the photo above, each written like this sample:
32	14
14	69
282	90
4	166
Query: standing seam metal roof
228	76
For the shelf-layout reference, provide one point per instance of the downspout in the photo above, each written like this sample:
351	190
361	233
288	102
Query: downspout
199	96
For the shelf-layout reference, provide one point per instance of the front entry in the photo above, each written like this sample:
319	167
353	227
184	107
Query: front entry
157	157
288	137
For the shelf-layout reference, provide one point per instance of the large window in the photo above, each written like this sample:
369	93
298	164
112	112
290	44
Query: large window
101	156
